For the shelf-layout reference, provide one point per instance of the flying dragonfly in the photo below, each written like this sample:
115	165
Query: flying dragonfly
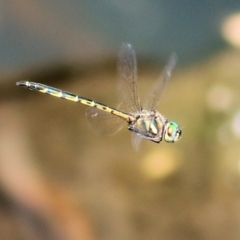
145	122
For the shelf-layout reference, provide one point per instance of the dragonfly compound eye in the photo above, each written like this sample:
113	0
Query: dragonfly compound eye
172	132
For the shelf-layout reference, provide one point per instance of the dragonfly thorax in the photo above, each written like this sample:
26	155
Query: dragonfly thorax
149	125
153	126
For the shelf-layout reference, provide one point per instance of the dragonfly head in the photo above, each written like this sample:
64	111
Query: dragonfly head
172	132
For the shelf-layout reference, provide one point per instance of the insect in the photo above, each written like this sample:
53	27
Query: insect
145	123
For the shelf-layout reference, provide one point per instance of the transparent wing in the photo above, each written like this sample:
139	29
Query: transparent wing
127	67
155	93
136	141
102	122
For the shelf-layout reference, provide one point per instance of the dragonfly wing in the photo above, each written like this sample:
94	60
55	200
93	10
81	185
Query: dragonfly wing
155	93
136	141
102	122
127	67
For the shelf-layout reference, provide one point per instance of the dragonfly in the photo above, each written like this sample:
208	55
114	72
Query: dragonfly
144	122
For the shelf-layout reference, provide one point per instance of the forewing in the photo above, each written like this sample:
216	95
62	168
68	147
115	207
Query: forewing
102	122
155	93
128	91
136	141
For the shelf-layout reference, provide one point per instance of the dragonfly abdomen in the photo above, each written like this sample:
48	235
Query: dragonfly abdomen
73	97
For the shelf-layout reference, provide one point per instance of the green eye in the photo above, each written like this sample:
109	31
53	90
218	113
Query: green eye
172	132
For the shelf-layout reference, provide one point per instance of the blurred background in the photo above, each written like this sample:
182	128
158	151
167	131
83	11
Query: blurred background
59	180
